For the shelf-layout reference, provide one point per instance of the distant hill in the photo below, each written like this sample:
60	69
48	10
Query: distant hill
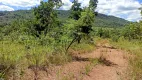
101	20
8	16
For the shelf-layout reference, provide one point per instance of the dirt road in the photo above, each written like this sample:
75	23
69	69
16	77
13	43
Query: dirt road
114	66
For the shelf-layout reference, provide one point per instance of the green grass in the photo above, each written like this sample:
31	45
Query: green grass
89	67
15	56
94	61
26	56
83	47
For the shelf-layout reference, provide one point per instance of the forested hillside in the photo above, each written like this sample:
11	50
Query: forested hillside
101	20
6	17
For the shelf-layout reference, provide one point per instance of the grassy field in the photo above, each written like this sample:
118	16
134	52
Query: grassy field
135	49
16	57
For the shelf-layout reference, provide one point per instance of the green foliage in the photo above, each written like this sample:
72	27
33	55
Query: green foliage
101	20
75	10
57	3
93	4
81	25
46	17
133	31
18	30
103	32
86	20
112	33
8	17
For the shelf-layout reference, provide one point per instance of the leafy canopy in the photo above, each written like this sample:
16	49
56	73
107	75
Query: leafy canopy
46	16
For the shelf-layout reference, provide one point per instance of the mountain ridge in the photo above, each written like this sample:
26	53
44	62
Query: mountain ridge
101	20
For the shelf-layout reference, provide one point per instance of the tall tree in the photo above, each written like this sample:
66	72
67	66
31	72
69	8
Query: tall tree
75	10
57	3
83	19
87	18
141	24
93	4
46	16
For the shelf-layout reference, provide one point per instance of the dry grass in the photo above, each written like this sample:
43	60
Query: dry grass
134	48
82	48
15	57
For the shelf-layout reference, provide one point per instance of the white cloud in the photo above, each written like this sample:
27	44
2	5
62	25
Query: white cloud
84	2
20	3
134	16
127	9
6	8
67	5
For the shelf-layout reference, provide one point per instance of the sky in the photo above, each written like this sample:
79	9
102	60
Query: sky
126	9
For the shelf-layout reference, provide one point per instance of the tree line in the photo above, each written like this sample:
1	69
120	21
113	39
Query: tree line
49	30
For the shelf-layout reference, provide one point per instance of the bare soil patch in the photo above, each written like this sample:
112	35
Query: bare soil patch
113	66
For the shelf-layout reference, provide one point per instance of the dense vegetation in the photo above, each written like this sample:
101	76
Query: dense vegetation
47	36
101	20
44	40
6	17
